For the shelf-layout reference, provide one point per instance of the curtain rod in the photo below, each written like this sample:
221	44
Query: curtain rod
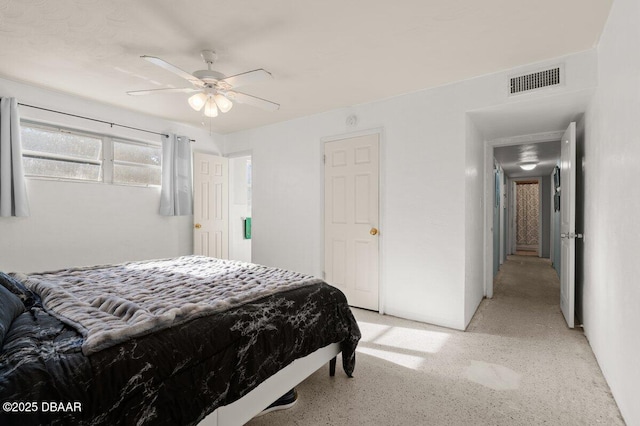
99	121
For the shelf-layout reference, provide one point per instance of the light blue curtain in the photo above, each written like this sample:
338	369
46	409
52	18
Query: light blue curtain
13	191
176	198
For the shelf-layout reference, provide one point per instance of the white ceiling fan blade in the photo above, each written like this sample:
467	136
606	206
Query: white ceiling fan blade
243	98
248	77
172	68
168	90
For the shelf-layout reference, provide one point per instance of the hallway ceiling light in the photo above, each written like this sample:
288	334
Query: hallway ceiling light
528	165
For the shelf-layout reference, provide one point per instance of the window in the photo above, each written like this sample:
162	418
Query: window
136	164
58	153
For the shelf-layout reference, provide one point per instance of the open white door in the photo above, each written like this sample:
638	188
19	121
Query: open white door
211	205
568	224
351	218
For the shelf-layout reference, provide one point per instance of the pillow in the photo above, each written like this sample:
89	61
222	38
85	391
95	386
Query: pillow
10	308
16	287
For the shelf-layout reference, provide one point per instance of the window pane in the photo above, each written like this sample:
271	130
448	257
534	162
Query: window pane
135	175
140	154
61	143
61	169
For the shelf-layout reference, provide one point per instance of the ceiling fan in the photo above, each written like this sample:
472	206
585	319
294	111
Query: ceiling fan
213	90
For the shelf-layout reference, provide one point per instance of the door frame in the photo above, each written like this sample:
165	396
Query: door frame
489	194
381	213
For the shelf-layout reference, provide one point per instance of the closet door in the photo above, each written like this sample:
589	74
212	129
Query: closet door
352	218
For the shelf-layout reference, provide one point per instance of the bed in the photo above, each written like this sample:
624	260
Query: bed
187	340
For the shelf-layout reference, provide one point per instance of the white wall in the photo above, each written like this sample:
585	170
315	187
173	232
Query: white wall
430	206
474	221
74	224
612	202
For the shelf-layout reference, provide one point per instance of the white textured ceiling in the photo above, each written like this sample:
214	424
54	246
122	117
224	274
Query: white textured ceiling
322	54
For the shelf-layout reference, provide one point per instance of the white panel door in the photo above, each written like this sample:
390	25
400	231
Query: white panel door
351	218
568	224
211	205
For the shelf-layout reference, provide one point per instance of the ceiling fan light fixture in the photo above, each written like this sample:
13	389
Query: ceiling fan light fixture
210	108
528	165
223	103
197	101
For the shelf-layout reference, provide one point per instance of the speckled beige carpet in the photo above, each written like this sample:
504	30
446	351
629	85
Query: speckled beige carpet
517	364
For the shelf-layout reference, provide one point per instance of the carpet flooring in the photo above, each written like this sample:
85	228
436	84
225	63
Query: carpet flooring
517	364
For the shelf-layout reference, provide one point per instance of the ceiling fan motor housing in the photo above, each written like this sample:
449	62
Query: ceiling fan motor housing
209	76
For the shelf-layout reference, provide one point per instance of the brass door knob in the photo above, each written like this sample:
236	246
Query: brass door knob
197	226
373	231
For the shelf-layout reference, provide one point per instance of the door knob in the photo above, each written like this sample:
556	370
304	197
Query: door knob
373	231
197	226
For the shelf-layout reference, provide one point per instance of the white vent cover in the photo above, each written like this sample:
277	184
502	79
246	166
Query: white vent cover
536	80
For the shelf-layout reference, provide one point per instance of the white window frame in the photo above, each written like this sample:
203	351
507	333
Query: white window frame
106	163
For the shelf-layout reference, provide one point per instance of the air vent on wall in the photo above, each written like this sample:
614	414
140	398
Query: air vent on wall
536	80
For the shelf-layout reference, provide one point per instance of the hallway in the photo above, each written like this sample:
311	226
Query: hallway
517	364
526	303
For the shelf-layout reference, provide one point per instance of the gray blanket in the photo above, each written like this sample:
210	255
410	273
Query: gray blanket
110	304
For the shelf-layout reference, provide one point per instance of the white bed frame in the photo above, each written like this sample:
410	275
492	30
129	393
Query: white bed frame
241	411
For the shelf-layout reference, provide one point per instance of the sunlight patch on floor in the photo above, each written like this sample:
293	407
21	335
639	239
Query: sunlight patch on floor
409	361
404	346
494	376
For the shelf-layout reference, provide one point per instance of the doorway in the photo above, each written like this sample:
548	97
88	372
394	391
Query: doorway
507	154
527	201
240	221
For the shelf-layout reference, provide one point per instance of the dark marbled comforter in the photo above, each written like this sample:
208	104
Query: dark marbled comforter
175	376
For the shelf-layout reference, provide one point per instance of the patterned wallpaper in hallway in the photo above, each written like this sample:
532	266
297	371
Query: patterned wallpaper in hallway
527	214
